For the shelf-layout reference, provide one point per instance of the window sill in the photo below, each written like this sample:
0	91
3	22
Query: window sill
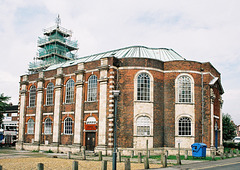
47	133
48	105
184	136
68	103
142	101
91	101
142	136
67	134
185	103
31	107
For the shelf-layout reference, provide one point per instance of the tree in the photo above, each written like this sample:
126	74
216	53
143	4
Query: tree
3	105
229	128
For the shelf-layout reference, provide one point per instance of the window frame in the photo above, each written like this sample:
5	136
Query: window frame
143	87
32	96
69	94
68	126
49	94
185	126
143	126
47	126
30	126
92	88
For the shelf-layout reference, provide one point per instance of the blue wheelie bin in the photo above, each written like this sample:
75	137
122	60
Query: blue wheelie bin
199	149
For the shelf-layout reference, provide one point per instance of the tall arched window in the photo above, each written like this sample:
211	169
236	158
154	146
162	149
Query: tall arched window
92	88
184	89
32	96
69	91
68	126
143	87
143	126
48	126
30	126
49	95
185	126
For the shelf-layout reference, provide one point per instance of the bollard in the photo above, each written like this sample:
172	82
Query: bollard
227	156
178	159
222	155
213	155
84	154
139	157
178	148
104	165
127	164
162	158
231	152
68	155
75	165
132	153
186	154
0	167
237	152
149	153
119	157
164	163
147	148
40	166
100	156
146	163
166	153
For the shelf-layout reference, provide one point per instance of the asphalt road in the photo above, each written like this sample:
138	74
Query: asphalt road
230	164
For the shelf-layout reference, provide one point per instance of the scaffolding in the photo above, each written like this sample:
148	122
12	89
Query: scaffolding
55	47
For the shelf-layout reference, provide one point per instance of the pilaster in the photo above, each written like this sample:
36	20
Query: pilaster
57	108
212	98
21	129
38	120
79	105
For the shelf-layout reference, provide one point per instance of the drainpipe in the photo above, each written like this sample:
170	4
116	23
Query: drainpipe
202	104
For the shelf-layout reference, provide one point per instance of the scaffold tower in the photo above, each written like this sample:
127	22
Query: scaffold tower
55	47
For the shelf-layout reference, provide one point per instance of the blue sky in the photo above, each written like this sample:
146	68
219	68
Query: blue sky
200	30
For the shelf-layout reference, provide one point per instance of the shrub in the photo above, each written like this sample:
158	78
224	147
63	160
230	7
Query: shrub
231	145
49	151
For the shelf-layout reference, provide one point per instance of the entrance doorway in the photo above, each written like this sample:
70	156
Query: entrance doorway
90	141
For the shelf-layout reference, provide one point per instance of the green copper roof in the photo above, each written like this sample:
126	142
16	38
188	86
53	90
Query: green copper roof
162	54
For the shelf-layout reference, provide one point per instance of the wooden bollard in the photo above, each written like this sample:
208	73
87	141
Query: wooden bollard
178	159
139	157
231	152
166	153
0	167
164	160
119	157
127	164
237	152
186	154
132	153
213	155
100	156
40	166
75	165
84	154
147	148
104	165
68	155
222	155
146	163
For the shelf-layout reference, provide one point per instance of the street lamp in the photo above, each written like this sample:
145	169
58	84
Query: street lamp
116	93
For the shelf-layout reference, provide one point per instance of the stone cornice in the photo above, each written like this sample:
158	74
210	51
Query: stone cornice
59	76
40	80
80	72
57	86
39	89
103	79
23	91
79	83
104	67
24	82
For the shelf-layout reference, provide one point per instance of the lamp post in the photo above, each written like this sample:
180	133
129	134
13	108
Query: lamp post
116	93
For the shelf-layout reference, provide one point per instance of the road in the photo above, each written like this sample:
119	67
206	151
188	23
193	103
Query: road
230	164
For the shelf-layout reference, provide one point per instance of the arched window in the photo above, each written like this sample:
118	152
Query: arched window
69	91
32	96
48	126
68	126
143	87
184	89
92	88
30	126
184	126
91	120
143	126
49	95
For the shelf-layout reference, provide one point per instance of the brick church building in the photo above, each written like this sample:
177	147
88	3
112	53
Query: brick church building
67	102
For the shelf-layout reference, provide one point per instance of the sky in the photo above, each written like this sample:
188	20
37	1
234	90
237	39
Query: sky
199	30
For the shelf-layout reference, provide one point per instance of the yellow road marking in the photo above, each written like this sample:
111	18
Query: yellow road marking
219	165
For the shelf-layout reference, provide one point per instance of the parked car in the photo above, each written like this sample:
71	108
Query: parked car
236	140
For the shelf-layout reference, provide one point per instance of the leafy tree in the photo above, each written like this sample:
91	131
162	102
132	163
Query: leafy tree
229	128
3	105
